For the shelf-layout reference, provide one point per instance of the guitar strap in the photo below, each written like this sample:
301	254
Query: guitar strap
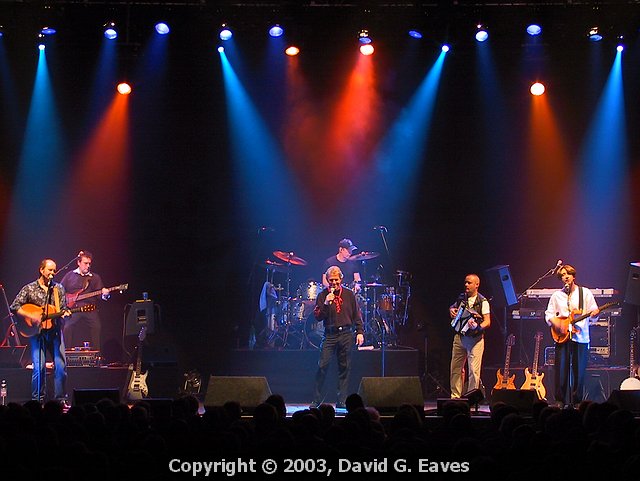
56	298
580	299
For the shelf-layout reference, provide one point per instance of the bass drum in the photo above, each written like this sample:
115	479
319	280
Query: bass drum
313	331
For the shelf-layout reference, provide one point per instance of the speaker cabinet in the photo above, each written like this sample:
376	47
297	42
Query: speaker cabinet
247	390
502	288
92	396
521	399
629	400
388	393
13	356
632	294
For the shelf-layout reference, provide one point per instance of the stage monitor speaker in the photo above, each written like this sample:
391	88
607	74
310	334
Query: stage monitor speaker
388	393
632	294
247	390
13	356
504	293
522	399
628	400
92	396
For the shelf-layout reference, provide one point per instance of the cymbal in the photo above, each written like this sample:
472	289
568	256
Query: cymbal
375	284
364	256
273	265
290	258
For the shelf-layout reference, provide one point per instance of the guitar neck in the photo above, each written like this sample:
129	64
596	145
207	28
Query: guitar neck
588	314
536	353
632	354
55	315
96	293
507	361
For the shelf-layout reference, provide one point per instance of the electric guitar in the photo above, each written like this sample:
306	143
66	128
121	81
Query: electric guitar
73	298
533	379
28	327
632	382
137	388
504	380
560	325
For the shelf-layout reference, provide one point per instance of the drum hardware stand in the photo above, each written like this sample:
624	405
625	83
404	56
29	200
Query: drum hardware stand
12	332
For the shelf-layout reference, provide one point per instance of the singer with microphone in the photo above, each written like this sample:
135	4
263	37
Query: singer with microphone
337	308
572	352
35	304
83	280
348	267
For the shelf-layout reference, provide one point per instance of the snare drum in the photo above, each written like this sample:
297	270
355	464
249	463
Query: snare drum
309	290
385	303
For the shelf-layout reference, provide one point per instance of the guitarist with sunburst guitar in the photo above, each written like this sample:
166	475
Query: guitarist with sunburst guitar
569	312
41	306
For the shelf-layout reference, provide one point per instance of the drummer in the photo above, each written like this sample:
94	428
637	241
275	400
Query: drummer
348	267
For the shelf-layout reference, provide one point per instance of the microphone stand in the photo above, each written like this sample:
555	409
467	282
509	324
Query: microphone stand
549	273
12	332
382	230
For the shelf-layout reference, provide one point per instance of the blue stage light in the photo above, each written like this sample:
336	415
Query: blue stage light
162	28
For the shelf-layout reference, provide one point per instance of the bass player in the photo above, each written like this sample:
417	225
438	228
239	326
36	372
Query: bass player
572	350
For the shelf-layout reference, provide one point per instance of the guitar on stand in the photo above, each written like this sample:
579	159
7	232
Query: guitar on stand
533	379
632	383
137	388
504	380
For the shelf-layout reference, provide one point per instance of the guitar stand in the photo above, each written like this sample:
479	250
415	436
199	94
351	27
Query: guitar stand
12	331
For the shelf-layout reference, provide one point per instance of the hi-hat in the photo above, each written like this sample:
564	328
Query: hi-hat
364	256
375	284
290	258
273	265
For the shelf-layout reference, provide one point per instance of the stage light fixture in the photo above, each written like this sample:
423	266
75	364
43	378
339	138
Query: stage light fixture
620	43
534	29
276	31
482	33
292	51
220	49
363	37
594	34
537	89
124	88
162	28
48	31
1	31
225	32
367	49
415	33
110	32
445	48
41	46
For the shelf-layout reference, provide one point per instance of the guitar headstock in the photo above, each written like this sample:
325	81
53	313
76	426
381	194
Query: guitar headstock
122	287
88	308
511	340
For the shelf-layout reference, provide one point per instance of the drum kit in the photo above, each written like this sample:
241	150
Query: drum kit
290	320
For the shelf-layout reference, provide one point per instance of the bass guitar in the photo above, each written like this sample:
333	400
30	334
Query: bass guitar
504	380
28	327
560	325
137	388
533	379
632	382
75	297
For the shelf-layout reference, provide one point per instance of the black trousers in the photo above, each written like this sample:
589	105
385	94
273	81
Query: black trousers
339	344
571	360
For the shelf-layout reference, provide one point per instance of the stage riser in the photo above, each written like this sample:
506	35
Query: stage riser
162	382
292	373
